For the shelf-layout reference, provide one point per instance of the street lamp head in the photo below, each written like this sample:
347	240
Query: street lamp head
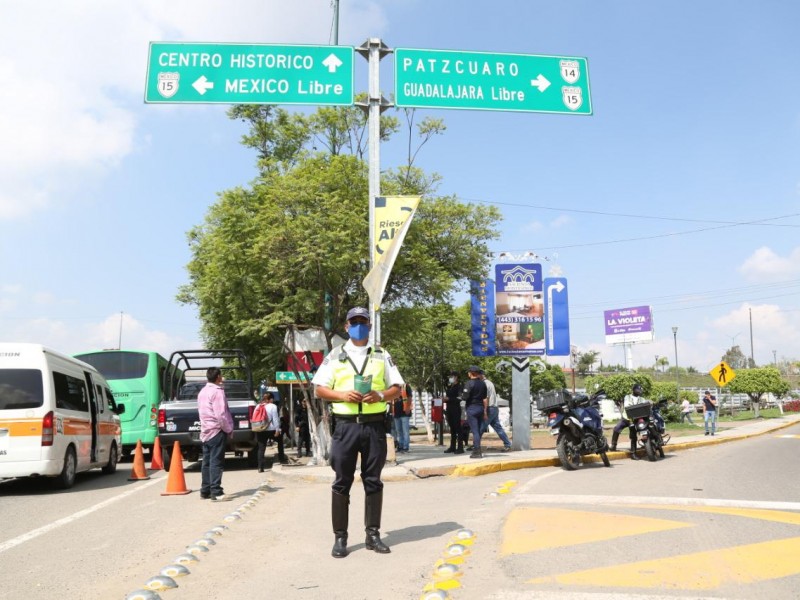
674	331
442	324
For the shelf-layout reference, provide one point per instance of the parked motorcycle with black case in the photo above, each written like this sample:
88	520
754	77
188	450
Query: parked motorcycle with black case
577	423
648	426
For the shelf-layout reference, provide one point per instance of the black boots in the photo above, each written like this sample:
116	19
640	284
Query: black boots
373	505
340	507
633	450
614	439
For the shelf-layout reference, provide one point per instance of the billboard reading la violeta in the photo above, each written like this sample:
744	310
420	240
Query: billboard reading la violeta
627	325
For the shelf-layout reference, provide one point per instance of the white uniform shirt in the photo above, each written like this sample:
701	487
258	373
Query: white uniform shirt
358	354
273	420
630	400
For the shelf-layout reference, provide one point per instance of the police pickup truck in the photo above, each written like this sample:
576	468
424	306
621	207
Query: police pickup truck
178	418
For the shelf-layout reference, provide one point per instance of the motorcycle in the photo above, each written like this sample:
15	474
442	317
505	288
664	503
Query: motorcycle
578	425
648	426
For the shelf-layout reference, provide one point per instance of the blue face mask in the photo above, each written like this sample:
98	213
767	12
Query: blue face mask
358	331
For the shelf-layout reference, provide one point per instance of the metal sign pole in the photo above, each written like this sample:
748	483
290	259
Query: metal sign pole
374	50
521	404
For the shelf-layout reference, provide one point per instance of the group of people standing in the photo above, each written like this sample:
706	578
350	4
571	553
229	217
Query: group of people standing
481	411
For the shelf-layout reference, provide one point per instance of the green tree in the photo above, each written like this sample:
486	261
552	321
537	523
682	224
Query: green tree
585	362
619	385
662	362
757	382
293	246
735	358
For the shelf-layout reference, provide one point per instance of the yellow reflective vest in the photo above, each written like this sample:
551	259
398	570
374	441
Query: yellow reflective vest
343	379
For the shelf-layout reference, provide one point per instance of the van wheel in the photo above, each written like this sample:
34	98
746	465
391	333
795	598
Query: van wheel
67	477
111	467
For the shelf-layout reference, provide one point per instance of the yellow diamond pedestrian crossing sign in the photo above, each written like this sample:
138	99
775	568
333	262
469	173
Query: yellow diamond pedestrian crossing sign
722	374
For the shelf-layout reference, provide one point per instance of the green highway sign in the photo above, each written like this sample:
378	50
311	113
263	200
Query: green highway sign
249	74
491	81
289	377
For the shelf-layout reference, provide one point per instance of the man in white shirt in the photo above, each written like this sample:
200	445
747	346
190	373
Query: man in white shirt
493	413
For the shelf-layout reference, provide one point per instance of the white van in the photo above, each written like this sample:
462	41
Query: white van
57	416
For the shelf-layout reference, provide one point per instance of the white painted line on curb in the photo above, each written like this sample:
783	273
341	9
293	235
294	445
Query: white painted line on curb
25	537
640	500
535	481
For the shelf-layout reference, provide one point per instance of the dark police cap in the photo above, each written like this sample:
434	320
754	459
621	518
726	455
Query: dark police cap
358	311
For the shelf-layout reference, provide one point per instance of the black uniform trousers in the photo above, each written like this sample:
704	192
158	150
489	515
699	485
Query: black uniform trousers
351	439
453	416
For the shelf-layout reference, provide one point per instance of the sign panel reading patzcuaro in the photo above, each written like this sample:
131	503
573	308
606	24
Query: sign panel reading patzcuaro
519	310
249	74
491	81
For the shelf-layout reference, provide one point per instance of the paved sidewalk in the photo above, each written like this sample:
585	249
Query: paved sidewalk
427	460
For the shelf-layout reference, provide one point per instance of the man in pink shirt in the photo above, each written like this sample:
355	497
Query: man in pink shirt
216	424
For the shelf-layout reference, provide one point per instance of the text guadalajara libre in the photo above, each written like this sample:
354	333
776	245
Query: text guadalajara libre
251	60
459	66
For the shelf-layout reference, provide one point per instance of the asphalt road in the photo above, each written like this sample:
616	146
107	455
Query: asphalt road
714	522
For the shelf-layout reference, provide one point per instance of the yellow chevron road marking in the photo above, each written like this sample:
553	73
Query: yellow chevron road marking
529	529
750	513
731	566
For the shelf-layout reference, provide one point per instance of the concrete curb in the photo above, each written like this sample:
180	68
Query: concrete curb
409	472
477	470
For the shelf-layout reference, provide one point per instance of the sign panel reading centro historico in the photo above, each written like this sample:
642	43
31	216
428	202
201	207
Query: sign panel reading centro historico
249	74
490	81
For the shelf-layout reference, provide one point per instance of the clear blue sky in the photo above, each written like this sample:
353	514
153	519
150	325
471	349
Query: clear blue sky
681	191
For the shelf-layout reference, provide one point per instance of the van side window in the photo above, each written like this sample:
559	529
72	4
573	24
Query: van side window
101	403
110	399
70	392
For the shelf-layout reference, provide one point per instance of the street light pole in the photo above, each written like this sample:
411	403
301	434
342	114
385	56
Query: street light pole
677	380
441	325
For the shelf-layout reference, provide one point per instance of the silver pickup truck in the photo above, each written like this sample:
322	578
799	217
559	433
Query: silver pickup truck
178	418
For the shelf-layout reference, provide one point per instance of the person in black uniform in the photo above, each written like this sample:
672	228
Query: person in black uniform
303	430
452	411
475	396
360	425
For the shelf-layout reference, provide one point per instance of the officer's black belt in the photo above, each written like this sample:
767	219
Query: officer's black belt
370	418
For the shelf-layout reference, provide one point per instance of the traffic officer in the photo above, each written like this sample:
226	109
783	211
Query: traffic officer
633	398
360	425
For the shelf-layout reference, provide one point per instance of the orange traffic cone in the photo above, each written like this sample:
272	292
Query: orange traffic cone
139	471
157	463
176	482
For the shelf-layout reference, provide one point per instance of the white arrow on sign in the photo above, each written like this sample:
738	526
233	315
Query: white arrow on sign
540	82
202	85
332	62
559	287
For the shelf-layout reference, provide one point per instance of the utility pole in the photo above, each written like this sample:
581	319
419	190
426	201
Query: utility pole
335	22
752	358
119	343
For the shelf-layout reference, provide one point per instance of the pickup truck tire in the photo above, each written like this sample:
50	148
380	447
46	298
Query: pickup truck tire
165	457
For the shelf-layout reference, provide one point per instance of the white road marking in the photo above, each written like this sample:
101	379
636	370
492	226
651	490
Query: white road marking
638	500
25	537
535	481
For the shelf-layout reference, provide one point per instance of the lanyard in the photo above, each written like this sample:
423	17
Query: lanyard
356	369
